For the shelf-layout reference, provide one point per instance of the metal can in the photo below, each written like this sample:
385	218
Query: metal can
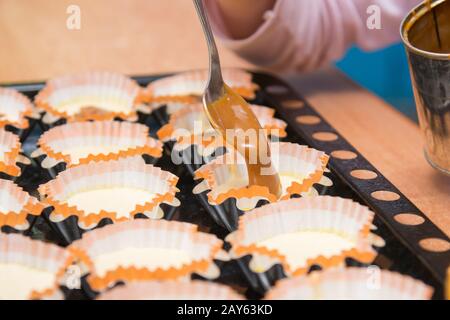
426	36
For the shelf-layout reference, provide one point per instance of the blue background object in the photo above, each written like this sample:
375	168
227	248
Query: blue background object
385	73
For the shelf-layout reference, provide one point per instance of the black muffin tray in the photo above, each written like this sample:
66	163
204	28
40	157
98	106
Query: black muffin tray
402	252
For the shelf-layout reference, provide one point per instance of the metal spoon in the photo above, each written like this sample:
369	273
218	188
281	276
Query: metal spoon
238	117
215	87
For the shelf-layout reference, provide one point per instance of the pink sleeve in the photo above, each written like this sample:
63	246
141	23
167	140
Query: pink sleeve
306	34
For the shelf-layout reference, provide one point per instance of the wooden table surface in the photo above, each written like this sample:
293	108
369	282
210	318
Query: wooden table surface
153	36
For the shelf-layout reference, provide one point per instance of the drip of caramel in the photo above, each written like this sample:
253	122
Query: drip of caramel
232	117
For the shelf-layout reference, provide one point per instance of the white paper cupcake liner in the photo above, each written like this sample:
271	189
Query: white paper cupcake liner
189	86
9	153
84	142
16	205
262	111
117	190
300	233
14	109
89	96
190	126
299	168
147	250
351	284
30	269
172	108
171	290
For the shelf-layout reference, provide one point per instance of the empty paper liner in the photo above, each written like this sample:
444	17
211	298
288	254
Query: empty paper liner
30	269
89	96
171	290
299	168
16	206
304	232
190	126
146	250
9	153
84	142
173	107
115	190
14	109
188	87
351	284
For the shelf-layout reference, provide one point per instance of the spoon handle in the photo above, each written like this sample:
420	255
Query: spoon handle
215	82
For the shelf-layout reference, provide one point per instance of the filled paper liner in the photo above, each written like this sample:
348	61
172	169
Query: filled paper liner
16	206
20	256
147	250
84	191
299	168
89	96
9	153
190	126
14	109
84	142
351	284
304	232
188	87
171	290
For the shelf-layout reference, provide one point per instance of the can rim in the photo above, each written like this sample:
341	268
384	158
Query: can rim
414	15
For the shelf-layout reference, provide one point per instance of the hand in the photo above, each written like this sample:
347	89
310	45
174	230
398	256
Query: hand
243	17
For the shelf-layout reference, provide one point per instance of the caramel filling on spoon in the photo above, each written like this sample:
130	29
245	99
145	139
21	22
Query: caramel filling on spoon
232	116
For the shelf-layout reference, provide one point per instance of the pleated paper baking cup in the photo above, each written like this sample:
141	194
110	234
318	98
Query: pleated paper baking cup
142	249
9	153
171	108
188	87
14	109
351	284
117	190
16	206
89	96
171	290
304	232
30	269
84	142
166	109
190	126
299	168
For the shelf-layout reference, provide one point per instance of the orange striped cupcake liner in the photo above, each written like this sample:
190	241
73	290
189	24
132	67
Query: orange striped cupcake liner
16	206
170	107
142	250
171	290
173	107
303	232
31	269
190	126
117	190
14	109
351	284
298	166
10	147
188	87
89	96
85	142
